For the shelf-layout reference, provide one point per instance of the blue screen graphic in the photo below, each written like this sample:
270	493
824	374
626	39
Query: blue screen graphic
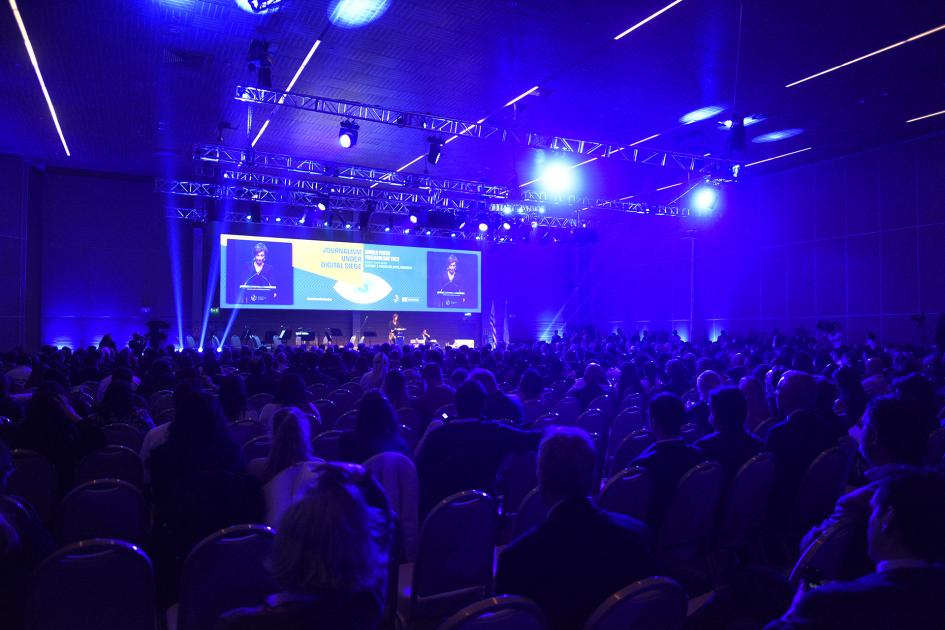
282	273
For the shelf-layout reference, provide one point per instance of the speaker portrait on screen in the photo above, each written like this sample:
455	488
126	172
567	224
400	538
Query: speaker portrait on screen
452	280
261	272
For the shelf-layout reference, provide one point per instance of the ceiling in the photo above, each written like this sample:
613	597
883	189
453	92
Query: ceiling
137	83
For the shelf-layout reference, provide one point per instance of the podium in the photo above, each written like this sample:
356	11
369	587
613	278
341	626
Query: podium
451	298
257	293
399	335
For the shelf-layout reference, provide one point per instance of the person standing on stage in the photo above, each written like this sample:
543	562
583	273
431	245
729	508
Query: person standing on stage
394	325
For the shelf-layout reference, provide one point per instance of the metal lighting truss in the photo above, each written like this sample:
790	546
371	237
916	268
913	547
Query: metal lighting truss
714	167
436	192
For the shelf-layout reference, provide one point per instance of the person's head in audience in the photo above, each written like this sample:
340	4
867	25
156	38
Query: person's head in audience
379	363
874	366
49	410
796	391
331	540
729	409
432	374
676	371
667	415
458	377
291	442
891	431
470	399
919	390
486	379
754	392
594	375
200	432
232	397
706	382
376	419
119	400
530	386
291	390
566	465
908	517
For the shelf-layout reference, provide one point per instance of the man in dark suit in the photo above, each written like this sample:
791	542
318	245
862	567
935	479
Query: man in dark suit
730	445
797	440
907	590
669	457
580	555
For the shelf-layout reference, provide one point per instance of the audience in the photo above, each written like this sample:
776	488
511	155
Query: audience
698	414
233	399
581	554
290	392
376	430
907	589
730	445
290	464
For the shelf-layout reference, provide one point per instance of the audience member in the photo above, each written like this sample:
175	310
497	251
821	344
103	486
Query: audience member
289	393
233	399
499	406
593	384
698	414
581	554
730	445
121	405
375	430
375	378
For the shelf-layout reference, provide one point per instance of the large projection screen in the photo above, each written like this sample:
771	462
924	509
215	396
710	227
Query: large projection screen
288	273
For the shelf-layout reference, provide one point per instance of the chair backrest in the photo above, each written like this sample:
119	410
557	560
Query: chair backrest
410	417
317	391
568	409
626	422
690	398
347	421
502	612
629	449
448	575
820	488
761	431
746	501
257	401
550	419
628	492
327	411
516	478
111	462
605	403
34	478
354	387
343	398
93	584
327	445
226	570
691	432
245	430
533	409
257	447
160	401
594	420
104	508
688	522
531	511
123	434
936	447
656	603
235	342
448	409
164	417
827	553
398	476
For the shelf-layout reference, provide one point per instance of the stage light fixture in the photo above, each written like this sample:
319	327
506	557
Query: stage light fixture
322	204
429	232
506	225
387	228
436	150
413	218
704	199
260	60
557	177
534	224
462	225
348	134
452	234
279	220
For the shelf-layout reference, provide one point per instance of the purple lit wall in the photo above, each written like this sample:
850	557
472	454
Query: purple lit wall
858	240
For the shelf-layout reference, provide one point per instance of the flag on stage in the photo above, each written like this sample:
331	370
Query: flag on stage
505	324
492	335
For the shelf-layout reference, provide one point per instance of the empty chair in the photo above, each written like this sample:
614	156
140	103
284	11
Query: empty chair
656	603
398	476
502	612
327	446
104	508
629	449
568	409
235	342
164	417
343	398
820	488
605	403
93	584
746	501
123	434
827	553
226	570
631	401
447	575
257	401
34	478
257	447
688	522
245	430
530	513
628	492
548	420
111	462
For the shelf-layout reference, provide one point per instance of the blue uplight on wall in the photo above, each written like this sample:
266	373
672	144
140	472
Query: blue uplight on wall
775	136
356	13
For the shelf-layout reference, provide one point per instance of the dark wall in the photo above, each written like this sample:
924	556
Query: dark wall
14	230
858	240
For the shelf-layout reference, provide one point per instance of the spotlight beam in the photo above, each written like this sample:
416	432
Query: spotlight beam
39	74
647	19
868	55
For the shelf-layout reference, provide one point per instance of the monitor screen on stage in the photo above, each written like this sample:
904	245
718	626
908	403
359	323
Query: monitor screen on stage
288	273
